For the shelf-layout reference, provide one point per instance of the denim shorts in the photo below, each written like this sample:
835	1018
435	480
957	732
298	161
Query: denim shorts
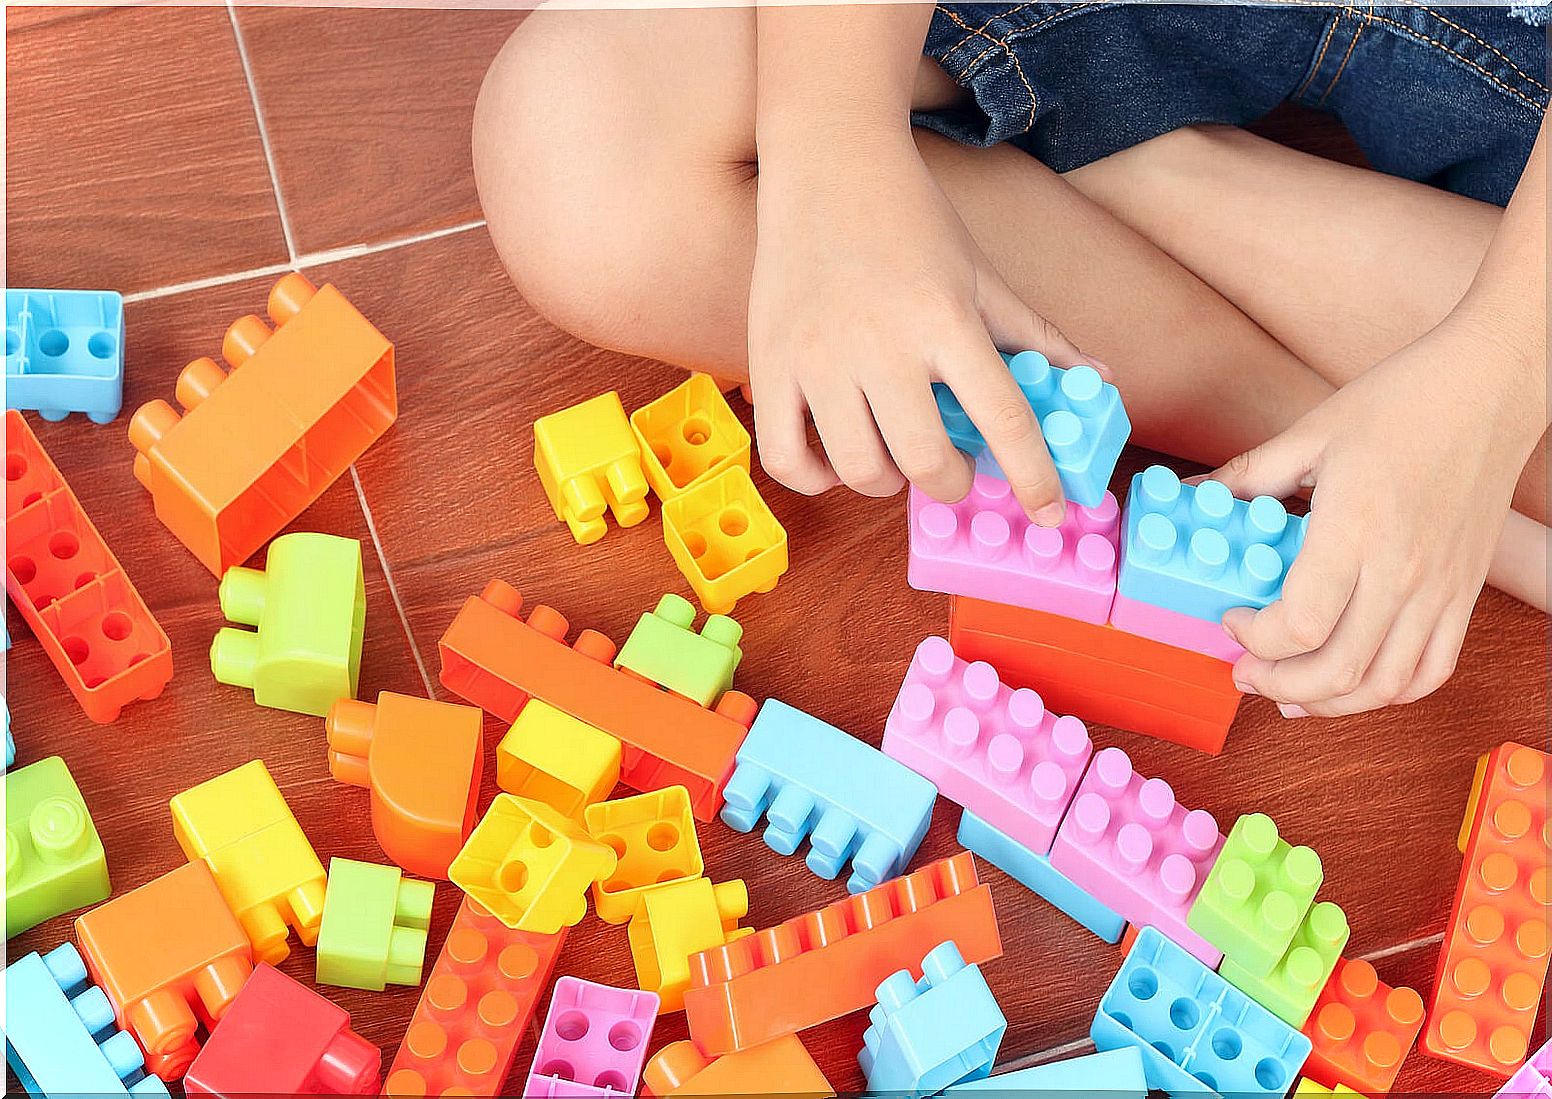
1451	96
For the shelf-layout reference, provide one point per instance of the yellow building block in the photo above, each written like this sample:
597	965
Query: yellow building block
530	866
242	828
725	540
678	921
550	756
588	460
688	434
653	834
1464	835
1310	1088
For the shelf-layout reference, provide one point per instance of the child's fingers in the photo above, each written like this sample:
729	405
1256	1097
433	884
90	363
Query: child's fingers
912	427
1442	651
1394	664
1316	592
1016	327
781	434
851	441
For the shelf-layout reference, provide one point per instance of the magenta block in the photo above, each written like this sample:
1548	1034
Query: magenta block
594	1041
996	751
1130	844
1173	628
986	547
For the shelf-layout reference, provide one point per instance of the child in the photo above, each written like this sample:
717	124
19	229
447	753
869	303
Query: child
1376	338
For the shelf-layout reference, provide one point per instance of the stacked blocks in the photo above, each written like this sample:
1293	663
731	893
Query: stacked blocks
307	608
594	1040
54	861
64	352
677	921
1255	898
725	540
1295	983
1534	1078
552	757
679	1069
688	435
663	649
374	925
653	837
1116	1074
588	462
810	780
1361	1030
1181	631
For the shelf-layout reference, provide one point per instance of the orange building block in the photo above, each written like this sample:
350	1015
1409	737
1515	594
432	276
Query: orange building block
422	761
497	661
830	962
1493	965
1128	938
782	1067
257	445
171	958
70	588
1361	1030
475	1008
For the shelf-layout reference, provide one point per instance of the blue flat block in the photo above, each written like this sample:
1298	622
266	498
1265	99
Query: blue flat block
1081	415
811	780
1196	550
1036	872
1197	1033
925	1035
1116	1074
64	352
59	1034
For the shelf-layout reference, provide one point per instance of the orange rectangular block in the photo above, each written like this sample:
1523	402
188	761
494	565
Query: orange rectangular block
829	963
257	445
70	588
498	661
1360	1030
782	1067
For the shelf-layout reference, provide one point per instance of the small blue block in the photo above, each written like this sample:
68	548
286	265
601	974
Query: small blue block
852	802
1196	550
1037	873
1116	1074
1197	1033
1081	415
64	352
10	745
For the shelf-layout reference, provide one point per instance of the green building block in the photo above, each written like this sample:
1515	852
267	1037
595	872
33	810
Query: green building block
54	860
373	932
1256	895
1295	983
307	607
664	649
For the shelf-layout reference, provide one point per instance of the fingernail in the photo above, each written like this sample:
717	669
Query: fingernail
1050	516
1244	688
1288	709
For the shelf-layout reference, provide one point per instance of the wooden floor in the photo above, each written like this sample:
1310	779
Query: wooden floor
188	161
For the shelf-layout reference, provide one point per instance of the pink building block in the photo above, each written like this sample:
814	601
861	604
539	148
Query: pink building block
996	751
594	1041
1128	842
1173	628
986	547
1533	1080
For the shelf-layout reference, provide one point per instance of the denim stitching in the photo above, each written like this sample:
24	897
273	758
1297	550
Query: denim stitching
1320	58
1505	57
1034	100
995	43
1009	14
1348	56
1413	33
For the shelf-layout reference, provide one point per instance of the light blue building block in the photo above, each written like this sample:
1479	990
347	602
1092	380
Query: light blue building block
1197	1033
810	779
59	1034
10	745
1081	415
925	1035
1115	1074
1196	550
64	352
1037	873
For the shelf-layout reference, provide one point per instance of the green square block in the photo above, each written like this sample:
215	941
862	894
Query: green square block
664	649
373	932
54	861
1293	986
1256	895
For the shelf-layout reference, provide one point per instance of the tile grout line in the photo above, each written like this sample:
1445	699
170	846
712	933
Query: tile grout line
393	588
258	117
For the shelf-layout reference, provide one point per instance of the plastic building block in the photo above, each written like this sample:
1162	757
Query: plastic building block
422	762
530	866
71	590
498	661
678	921
1128	842
475	1008
280	1038
171	958
1173	628
60	1037
1293	986
1196	1032
1035	872
242	828
256	446
552	757
653	835
809	780
725	540
829	962
54	861
1473	803
1306	1086
64	352
594	1040
374	925
307	608
688	435
1493	966
588	462
1128	939
1361	1030
1115	1074
782	1067
998	752
926	1034
1534	1078
985	546
663	649
1196	550
10	744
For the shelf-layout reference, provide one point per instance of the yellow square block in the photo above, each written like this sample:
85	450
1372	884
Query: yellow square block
530	865
1310	1088
688	434
550	756
677	922
588	460
654	836
725	540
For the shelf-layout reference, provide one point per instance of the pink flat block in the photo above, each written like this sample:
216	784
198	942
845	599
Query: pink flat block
594	1041
1128	842
984	546
1173	628
1534	1078
992	749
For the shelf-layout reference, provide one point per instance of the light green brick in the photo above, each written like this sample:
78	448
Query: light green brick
54	861
374	926
1293	986
664	649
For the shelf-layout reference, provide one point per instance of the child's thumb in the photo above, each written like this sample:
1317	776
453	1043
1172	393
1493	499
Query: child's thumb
1279	467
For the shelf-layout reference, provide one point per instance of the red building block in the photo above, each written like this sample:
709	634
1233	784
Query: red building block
279	1038
71	589
498	661
1361	1030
